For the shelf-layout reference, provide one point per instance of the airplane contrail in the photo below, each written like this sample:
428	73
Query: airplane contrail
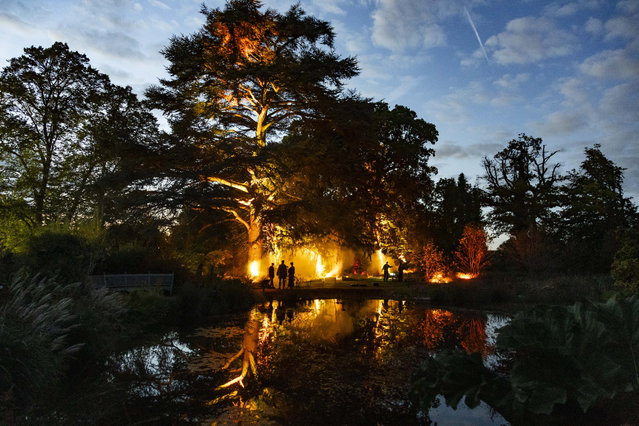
472	24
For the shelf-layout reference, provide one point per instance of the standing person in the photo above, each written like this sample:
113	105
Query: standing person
271	275
281	274
291	276
400	271
386	267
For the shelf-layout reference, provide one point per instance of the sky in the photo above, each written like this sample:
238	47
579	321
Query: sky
482	71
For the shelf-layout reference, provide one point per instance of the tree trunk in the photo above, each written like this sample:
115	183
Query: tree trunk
254	238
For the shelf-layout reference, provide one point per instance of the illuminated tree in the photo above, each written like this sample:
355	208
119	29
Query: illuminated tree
362	171
472	253
433	263
235	86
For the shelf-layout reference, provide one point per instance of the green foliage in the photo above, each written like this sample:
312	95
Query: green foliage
63	254
625	268
562	357
63	130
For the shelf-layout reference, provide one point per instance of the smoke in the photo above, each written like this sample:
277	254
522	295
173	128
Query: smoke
472	24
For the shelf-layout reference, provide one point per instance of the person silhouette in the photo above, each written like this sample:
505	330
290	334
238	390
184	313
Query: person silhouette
281	274
386	267
271	275
400	271
291	276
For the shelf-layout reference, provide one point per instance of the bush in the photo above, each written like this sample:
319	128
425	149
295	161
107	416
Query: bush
625	268
62	254
562	288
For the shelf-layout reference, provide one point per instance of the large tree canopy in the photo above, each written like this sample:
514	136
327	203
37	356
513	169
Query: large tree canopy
239	80
63	127
522	184
361	171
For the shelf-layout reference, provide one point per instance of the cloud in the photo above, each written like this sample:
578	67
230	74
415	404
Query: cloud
448	150
510	81
594	26
334	7
619	63
530	39
402	24
159	4
623	27
619	104
562	123
557	10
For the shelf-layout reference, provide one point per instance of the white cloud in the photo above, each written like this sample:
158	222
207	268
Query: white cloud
611	64
558	10
511	81
594	26
334	7
574	91
159	4
623	27
562	122
403	24
619	104
530	39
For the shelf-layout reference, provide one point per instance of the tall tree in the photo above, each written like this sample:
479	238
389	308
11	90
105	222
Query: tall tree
235	86
456	204
63	127
522	185
595	208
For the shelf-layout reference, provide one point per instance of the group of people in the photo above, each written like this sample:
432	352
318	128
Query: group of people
400	271
283	273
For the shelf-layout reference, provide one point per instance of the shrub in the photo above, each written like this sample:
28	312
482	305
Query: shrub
62	254
625	267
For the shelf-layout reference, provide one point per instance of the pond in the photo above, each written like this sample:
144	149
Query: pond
322	361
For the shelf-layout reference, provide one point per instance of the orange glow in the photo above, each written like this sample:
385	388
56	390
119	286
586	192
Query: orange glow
440	278
254	269
465	276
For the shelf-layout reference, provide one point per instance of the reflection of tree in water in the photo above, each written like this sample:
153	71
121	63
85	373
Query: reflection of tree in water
148	383
352	359
444	329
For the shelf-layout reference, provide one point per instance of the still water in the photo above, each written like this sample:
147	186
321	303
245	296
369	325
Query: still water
324	362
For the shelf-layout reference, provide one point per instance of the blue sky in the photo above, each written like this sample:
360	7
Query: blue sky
482	71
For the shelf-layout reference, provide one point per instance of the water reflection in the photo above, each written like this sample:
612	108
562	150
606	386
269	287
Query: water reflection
353	358
289	362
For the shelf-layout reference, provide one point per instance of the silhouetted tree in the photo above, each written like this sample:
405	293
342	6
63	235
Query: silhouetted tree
456	204
522	185
594	209
63	129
